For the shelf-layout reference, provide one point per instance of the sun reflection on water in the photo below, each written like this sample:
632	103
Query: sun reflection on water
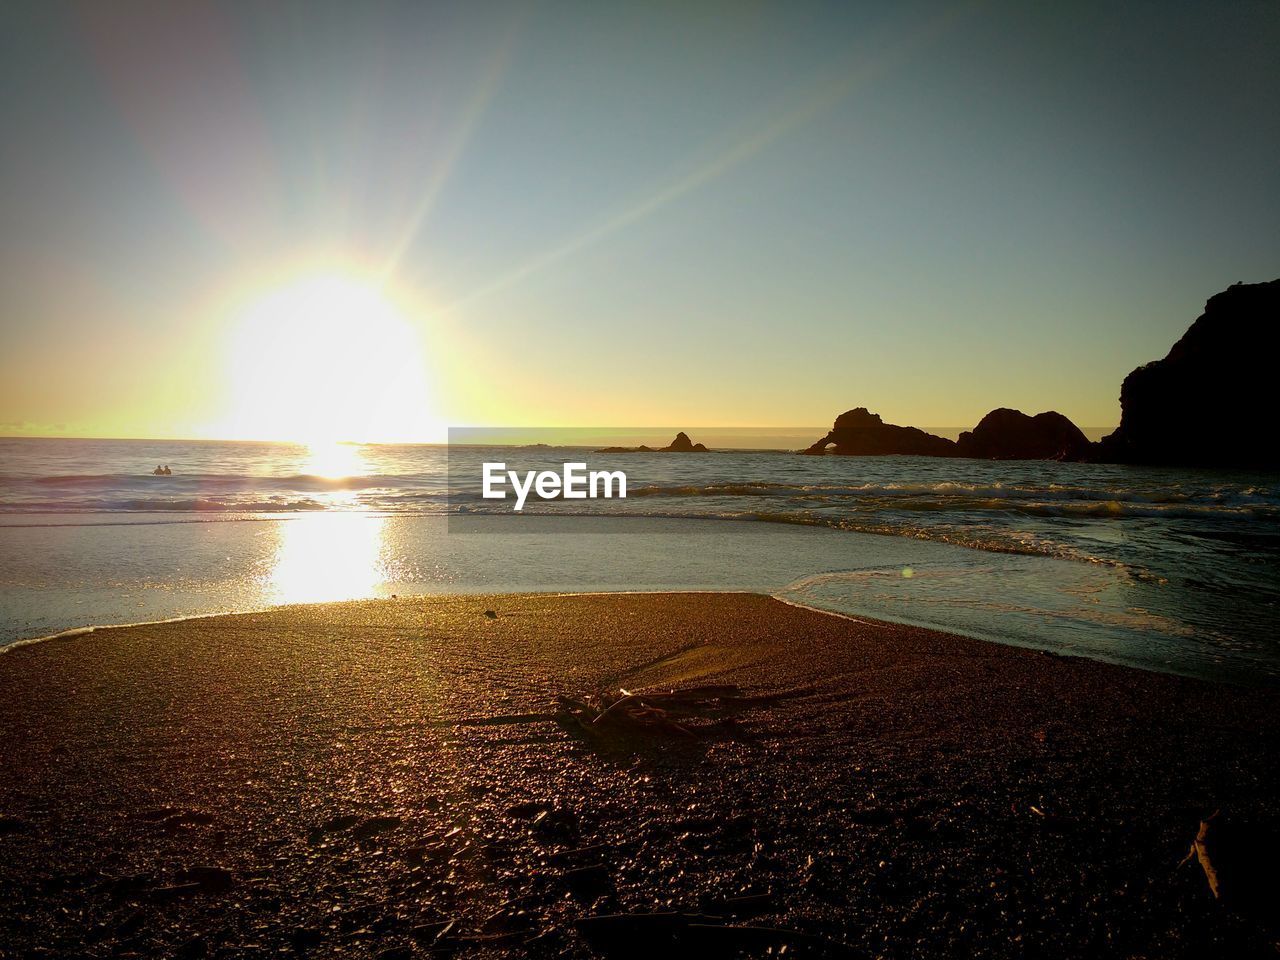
329	556
334	461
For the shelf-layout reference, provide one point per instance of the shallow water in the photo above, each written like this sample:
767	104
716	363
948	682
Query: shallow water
1170	569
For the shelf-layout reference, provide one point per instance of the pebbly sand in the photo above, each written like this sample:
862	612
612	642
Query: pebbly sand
394	778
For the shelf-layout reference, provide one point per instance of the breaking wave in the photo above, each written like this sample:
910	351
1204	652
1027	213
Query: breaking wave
1100	514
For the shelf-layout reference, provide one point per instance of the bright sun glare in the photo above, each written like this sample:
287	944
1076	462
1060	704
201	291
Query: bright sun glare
327	358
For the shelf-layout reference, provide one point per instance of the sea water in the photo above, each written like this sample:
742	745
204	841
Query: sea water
1170	569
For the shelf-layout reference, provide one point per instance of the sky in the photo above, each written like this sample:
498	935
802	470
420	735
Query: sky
373	221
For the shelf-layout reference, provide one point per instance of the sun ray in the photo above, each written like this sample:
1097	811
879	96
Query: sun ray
472	114
829	90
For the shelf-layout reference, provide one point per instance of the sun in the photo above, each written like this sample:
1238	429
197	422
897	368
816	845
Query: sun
326	358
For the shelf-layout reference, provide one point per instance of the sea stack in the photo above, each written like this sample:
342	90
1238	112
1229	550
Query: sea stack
682	444
860	433
1005	434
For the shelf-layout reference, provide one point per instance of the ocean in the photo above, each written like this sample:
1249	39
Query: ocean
1168	569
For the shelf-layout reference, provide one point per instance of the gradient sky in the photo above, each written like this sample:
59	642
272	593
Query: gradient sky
730	214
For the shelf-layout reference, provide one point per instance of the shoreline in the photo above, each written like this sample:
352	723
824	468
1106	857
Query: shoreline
1175	621
389	778
869	621
73	632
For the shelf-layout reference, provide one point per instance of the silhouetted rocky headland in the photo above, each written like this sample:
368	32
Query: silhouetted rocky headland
860	433
1002	434
681	444
1005	434
1212	400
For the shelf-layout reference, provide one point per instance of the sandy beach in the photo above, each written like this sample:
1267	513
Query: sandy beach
390	778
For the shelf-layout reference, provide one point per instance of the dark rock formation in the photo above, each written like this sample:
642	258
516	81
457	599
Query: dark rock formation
681	444
859	433
1212	400
1006	434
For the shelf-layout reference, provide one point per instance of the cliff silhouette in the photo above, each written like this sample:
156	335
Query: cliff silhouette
1209	402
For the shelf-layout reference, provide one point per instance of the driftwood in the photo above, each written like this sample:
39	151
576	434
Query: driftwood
1237	856
1200	851
670	713
651	934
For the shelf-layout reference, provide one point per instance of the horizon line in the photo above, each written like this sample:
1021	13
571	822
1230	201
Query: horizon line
440	443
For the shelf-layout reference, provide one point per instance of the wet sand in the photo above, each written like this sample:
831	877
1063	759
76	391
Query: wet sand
394	778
